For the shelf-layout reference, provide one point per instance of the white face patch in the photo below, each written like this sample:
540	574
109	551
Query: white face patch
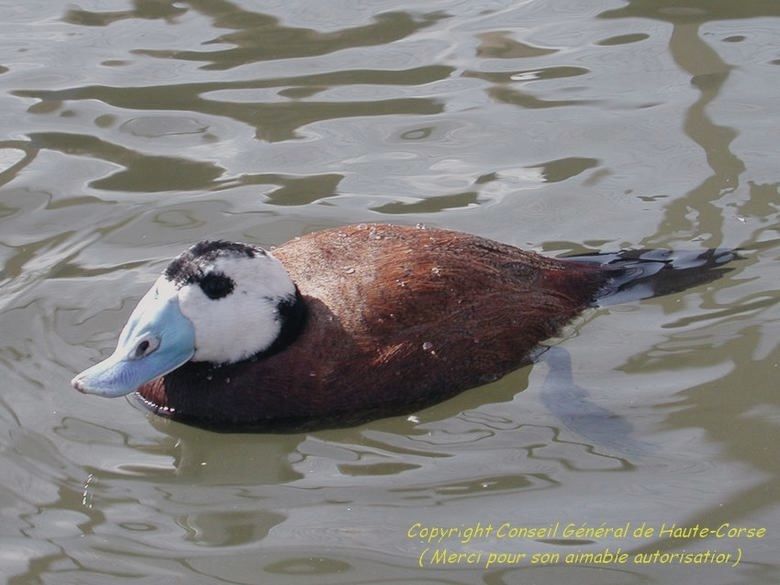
234	306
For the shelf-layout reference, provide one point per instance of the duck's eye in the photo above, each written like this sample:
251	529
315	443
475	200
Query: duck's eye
145	347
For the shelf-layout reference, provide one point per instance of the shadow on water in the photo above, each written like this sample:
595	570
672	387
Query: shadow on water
571	405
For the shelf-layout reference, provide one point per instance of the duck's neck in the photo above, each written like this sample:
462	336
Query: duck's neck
292	316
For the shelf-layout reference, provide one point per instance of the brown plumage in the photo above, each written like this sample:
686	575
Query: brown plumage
397	317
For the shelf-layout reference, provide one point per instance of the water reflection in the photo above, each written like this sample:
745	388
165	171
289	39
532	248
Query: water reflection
261	37
574	129
431	455
14	156
141	172
146	9
721	321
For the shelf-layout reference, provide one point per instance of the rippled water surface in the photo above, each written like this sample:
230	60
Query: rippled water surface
131	129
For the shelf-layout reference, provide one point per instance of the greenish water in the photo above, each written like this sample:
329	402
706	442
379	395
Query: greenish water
132	129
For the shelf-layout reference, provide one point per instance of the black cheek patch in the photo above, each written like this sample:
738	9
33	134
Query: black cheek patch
215	285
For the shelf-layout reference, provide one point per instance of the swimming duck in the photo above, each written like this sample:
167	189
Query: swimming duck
344	325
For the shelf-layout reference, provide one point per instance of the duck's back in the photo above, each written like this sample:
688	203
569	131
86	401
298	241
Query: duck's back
397	317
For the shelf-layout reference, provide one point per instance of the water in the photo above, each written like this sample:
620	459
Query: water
132	129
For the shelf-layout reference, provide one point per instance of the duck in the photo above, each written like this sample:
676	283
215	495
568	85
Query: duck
353	323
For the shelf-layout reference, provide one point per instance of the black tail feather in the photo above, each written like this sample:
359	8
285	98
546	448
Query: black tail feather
642	274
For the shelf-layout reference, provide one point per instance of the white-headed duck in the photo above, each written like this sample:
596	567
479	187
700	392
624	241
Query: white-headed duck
352	323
